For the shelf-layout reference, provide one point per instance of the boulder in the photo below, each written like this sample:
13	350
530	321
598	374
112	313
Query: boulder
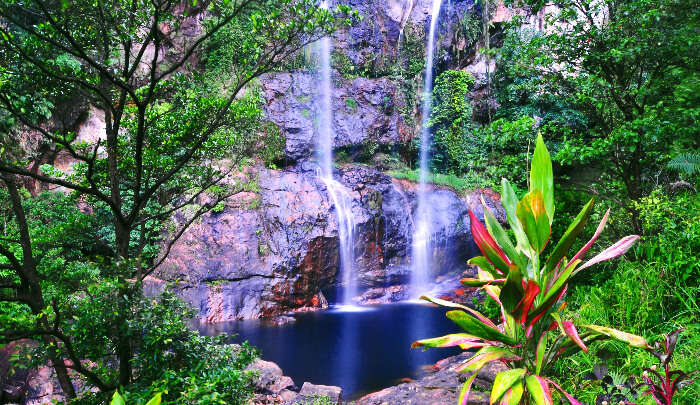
309	392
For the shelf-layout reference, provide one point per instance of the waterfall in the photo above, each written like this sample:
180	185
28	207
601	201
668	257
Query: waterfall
421	246
339	195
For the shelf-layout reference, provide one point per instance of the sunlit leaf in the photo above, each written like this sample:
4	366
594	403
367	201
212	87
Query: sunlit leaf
504	381
539	390
485	355
541	176
488	246
630	339
569	237
512	397
510	201
450	304
533	217
477	328
451	340
618	249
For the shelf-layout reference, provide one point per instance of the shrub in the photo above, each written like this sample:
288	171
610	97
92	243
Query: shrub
533	335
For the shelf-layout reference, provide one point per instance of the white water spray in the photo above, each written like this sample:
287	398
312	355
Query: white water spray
421	246
340	196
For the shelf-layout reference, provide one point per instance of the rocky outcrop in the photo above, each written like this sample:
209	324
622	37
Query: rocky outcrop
363	111
274	388
276	250
441	386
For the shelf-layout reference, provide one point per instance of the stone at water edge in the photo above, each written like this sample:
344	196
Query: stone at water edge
309	392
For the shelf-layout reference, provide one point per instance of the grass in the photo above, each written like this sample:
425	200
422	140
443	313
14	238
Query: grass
461	184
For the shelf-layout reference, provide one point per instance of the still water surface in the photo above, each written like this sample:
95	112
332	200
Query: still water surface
360	351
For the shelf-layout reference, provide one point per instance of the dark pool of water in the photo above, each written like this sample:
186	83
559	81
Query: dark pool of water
358	351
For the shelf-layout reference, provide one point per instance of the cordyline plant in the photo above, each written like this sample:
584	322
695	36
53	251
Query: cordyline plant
529	290
663	387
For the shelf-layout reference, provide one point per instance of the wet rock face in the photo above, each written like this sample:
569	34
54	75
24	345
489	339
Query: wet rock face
363	110
277	251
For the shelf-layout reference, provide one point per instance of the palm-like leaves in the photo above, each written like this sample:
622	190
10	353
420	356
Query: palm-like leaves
532	334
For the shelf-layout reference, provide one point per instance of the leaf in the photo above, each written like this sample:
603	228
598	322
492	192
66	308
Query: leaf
504	380
539	390
485	265
523	307
451	340
475	282
477	328
541	176
569	237
579	255
540	351
499	234
618	249
117	399
568	396
510	200
512	291
512	397
489	248
568	329
156	399
486	355
532	215
464	392
630	339
450	304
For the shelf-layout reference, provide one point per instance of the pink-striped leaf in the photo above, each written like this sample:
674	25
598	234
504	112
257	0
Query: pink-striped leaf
475	282
512	397
450	304
464	392
451	340
486	355
504	381
539	389
542	177
488	246
572	333
618	249
582	252
568	396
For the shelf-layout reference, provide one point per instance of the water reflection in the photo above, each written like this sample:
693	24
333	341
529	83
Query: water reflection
358	351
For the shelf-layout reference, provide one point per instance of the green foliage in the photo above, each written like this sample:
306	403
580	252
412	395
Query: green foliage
533	335
450	120
625	122
688	163
461	184
655	290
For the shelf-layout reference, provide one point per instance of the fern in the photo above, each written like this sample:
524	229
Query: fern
688	163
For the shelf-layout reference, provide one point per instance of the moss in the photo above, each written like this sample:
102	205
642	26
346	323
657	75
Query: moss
351	104
306	113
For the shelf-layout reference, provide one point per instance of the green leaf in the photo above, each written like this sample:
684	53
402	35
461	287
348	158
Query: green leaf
450	304
156	399
504	380
484	264
541	176
464	392
499	234
512	291
486	355
478	328
451	340
569	237
512	397
510	201
117	399
538	389
630	339
531	213
539	352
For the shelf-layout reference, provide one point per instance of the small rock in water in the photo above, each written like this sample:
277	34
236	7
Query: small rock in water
284	319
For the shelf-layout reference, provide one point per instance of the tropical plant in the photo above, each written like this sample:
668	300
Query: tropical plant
663	388
533	335
117	399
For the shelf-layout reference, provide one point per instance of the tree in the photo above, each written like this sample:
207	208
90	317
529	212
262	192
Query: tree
627	68
174	135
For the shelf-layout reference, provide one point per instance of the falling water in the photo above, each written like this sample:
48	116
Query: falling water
421	249
342	200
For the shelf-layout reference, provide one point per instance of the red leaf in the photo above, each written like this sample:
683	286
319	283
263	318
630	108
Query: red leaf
531	291
488	246
572	333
